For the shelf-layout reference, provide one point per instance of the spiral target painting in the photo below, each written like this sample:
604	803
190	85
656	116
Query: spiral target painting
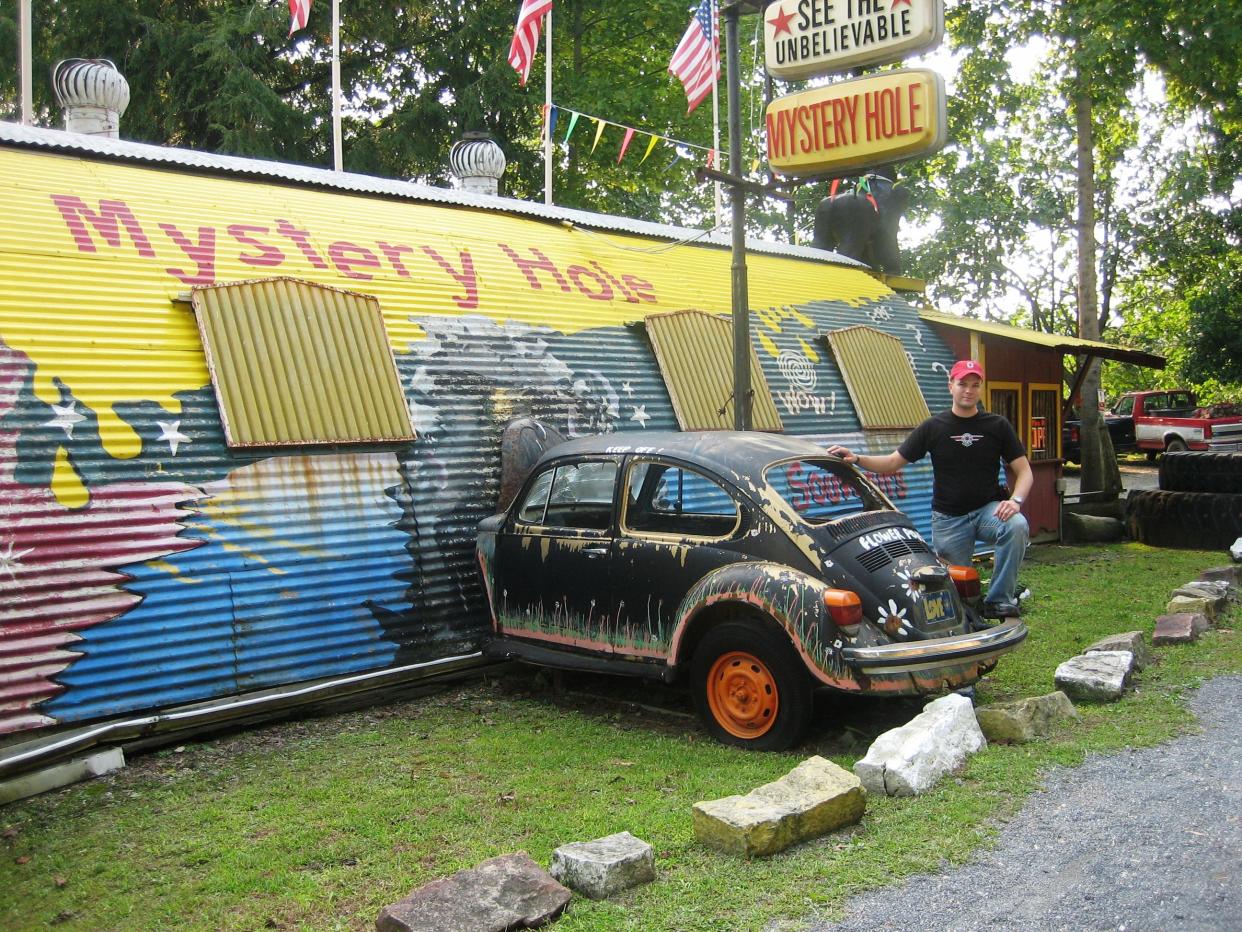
798	370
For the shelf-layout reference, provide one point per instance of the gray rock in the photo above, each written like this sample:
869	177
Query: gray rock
1101	675
1081	529
1235	550
909	760
1026	719
814	798
1227	574
1179	628
1216	593
1185	603
1130	640
600	868
508	892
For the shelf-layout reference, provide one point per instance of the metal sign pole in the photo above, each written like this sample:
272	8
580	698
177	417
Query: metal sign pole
737	200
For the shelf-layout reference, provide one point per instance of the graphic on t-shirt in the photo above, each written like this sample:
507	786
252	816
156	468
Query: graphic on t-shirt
966	439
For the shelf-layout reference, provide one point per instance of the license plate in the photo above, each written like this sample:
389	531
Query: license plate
937	607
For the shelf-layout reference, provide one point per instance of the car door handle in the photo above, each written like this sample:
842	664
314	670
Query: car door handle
595	551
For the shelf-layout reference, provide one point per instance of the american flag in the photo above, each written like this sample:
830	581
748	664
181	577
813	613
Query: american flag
299	12
696	61
526	35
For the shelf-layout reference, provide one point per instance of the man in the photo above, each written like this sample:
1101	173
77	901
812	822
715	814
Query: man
968	501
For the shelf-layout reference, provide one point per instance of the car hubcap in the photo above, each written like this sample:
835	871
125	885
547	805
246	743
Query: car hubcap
742	695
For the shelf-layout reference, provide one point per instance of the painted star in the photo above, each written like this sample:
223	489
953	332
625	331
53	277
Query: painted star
169	430
65	418
640	414
628	389
781	22
11	559
897	3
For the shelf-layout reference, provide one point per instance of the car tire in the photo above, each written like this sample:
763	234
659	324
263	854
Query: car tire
1175	445
1195	520
750	687
1202	472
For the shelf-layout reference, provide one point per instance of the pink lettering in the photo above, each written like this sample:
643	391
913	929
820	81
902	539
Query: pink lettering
202	254
76	214
267	255
466	277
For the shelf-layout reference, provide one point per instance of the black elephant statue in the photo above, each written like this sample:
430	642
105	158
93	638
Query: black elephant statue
862	224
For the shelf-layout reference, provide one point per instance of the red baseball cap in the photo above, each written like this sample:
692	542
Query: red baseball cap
965	367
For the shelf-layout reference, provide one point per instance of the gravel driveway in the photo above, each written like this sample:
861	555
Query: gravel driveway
1141	840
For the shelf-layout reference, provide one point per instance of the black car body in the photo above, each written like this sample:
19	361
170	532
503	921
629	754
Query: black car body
754	563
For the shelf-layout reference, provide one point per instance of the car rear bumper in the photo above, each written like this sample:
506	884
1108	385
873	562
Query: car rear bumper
980	647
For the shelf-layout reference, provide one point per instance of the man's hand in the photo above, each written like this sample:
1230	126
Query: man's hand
843	452
1007	509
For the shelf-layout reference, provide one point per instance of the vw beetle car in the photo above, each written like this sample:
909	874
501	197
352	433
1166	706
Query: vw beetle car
755	565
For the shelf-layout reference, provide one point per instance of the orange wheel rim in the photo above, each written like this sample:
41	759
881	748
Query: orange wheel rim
742	694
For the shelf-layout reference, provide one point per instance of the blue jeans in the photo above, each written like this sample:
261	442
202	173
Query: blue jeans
954	536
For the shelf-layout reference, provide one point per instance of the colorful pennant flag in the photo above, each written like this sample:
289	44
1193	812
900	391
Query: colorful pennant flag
651	145
599	131
696	60
525	35
625	143
573	121
299	13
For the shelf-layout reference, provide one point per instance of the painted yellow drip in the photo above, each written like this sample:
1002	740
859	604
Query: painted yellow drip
766	342
771	318
67	485
173	571
809	350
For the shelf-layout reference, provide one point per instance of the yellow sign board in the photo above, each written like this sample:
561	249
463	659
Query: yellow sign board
865	122
805	38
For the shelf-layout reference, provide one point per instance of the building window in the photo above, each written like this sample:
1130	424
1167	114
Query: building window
299	364
694	350
1043	439
1004	398
879	378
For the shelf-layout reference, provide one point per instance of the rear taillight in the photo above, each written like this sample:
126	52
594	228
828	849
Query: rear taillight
966	579
1074	434
844	608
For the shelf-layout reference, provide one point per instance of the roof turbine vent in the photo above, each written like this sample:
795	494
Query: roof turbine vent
93	94
479	162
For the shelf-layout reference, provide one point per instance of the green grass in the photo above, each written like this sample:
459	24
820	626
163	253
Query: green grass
318	824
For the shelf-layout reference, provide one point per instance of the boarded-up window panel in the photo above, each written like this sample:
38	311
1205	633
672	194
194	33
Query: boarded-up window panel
296	364
1044	434
694	350
878	377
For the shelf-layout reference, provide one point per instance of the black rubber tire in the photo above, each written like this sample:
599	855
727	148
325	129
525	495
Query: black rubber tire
1195	520
791	680
1202	472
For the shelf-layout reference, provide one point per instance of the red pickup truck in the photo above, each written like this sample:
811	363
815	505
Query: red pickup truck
1172	421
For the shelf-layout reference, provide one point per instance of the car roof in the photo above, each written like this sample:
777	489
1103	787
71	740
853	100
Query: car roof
743	453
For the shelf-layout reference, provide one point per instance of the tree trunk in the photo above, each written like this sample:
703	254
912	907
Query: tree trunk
1099	461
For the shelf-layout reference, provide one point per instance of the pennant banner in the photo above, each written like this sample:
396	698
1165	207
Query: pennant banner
573	121
599	131
625	144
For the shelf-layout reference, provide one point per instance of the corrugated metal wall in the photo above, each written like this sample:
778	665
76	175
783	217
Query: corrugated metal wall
143	563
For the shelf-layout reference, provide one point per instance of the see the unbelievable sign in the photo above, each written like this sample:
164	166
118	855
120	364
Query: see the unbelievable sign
888	117
804	38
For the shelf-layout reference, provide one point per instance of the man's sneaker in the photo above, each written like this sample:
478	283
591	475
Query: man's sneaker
1007	609
1023	593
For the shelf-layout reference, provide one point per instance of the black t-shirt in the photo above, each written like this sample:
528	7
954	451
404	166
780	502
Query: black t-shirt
966	454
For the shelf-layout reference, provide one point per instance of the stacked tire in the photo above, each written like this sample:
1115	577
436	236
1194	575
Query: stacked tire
1198	505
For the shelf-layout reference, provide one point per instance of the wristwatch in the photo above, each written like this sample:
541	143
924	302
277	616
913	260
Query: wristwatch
1017	498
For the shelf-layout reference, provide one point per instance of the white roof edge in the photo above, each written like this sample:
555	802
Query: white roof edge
38	137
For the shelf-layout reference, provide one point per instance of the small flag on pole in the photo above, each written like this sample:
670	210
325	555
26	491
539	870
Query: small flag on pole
526	35
299	13
696	60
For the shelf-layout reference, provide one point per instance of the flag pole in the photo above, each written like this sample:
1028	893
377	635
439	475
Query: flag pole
716	113
336	85
547	115
23	53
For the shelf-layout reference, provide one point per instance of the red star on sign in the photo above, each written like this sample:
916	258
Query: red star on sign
897	3
781	21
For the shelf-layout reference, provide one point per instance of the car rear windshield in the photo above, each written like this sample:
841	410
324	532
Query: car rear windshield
821	491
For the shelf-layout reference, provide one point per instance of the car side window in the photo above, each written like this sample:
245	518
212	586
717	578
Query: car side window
532	507
1125	406
665	499
581	495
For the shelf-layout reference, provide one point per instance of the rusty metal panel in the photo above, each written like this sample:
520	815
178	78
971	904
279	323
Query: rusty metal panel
879	376
145	562
695	354
295	364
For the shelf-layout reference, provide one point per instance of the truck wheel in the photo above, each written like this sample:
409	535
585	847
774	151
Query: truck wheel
1197	520
1175	445
750	687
